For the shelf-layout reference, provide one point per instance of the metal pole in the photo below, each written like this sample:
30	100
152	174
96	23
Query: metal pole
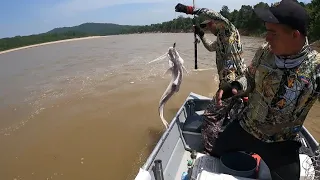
157	170
195	42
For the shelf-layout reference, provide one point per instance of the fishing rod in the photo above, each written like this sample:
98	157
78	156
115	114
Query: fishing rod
195	40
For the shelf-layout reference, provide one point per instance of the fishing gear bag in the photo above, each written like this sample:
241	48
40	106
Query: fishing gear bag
216	118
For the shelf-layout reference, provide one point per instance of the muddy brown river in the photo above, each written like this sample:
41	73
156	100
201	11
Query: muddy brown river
88	109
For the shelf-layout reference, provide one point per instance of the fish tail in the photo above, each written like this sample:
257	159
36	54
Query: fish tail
164	121
166	96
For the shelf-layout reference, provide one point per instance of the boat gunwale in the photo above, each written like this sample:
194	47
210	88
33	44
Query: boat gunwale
164	136
316	143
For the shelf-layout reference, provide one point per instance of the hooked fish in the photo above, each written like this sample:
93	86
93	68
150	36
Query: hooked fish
176	68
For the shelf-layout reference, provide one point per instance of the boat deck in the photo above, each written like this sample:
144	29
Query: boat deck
208	167
184	136
183	165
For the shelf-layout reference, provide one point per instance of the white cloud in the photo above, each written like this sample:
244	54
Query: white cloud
85	5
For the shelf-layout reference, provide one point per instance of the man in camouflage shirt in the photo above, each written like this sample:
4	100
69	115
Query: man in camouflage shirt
227	46
283	83
229	63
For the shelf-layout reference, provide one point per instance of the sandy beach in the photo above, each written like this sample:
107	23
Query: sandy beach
53	42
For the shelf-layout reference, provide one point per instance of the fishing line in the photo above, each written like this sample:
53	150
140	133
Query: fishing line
159	58
174	28
175	22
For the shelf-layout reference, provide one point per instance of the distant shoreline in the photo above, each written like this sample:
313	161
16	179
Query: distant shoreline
52	42
315	45
86	37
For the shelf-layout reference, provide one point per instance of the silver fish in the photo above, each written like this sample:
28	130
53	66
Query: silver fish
176	68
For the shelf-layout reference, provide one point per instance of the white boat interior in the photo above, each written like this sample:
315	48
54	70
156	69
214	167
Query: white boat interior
182	145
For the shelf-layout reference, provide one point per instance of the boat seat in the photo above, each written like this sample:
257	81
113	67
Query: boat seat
193	123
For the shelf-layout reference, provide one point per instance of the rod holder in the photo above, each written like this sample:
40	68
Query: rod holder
157	170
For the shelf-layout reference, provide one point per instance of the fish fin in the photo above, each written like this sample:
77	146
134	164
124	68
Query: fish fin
180	59
176	81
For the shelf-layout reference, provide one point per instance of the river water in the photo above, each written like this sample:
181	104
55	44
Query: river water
88	109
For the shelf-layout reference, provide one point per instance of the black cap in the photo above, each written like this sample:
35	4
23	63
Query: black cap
287	12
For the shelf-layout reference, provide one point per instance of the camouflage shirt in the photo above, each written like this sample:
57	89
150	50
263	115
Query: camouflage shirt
281	90
227	46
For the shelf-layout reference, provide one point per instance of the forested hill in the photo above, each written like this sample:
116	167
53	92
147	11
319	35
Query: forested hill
94	29
244	19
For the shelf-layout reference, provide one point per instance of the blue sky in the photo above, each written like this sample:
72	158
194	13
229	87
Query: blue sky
25	17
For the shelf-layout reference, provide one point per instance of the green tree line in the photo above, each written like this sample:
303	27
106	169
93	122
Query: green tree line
244	19
20	41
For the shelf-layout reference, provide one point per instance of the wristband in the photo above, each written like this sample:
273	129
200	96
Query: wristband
189	10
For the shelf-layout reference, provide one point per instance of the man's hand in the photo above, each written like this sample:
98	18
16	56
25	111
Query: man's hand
184	9
226	93
198	30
